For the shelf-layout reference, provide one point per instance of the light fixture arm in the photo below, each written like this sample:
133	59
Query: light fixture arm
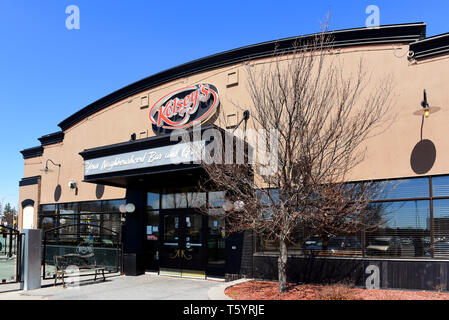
424	103
245	118
55	164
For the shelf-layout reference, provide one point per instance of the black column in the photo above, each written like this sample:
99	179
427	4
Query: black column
133	262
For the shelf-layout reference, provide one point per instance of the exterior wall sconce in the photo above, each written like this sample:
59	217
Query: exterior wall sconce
426	110
55	164
425	105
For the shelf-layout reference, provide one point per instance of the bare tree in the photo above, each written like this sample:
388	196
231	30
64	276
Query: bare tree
323	115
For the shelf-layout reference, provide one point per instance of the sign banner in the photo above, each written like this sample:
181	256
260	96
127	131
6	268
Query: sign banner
174	154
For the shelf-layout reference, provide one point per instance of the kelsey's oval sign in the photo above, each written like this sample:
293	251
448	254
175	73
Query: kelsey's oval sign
184	108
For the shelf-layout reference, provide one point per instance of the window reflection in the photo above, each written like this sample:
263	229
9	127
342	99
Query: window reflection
441	228
186	199
403	230
440	186
404	189
399	228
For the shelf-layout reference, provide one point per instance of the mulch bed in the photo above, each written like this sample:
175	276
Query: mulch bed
265	290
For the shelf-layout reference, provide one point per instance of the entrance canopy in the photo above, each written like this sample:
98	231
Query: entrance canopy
151	161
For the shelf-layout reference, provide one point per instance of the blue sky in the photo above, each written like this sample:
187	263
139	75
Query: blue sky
48	72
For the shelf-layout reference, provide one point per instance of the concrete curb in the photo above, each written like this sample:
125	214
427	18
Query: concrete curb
217	293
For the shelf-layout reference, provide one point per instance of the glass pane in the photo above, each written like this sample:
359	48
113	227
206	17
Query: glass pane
152	201
193	229
404	188
112	206
403	229
68	208
48	209
441	228
90	207
216	199
90	225
48	223
171	225
112	222
197	200
152	228
183	200
168	201
68	226
440	186
216	240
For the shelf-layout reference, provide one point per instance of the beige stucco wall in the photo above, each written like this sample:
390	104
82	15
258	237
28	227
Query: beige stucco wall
388	155
28	192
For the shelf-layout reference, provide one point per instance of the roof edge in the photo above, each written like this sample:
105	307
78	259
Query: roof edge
430	47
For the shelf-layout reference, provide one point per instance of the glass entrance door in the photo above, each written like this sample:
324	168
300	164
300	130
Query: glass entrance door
182	243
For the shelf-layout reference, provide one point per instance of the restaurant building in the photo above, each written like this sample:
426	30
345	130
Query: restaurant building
111	176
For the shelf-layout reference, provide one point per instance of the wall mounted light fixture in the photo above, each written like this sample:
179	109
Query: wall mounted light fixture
46	165
426	109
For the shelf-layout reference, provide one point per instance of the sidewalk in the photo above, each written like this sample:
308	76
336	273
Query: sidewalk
116	287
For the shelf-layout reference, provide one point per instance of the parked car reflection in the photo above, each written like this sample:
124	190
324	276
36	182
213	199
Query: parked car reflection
344	246
337	246
384	246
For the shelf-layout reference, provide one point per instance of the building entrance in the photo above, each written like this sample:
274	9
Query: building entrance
182	241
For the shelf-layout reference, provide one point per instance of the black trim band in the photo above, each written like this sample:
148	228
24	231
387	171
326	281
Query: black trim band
52	138
32	152
430	47
29	181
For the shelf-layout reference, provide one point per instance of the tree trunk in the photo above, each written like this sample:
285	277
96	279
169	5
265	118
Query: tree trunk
282	266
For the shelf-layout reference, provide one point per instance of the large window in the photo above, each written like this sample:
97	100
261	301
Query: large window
403	229
81	219
412	222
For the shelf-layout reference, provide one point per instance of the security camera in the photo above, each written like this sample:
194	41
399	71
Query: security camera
72	184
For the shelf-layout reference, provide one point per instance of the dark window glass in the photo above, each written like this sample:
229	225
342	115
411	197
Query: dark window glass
441	228
112	206
68	208
68	230
171	224
90	225
440	186
112	222
403	229
404	189
152	227
90	207
47	223
152	201
216	238
48	209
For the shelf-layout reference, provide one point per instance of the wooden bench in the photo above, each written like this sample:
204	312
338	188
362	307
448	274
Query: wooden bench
86	262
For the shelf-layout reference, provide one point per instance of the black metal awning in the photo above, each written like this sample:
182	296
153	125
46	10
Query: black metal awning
145	178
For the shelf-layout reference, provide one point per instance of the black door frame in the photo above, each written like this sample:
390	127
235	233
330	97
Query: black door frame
181	262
